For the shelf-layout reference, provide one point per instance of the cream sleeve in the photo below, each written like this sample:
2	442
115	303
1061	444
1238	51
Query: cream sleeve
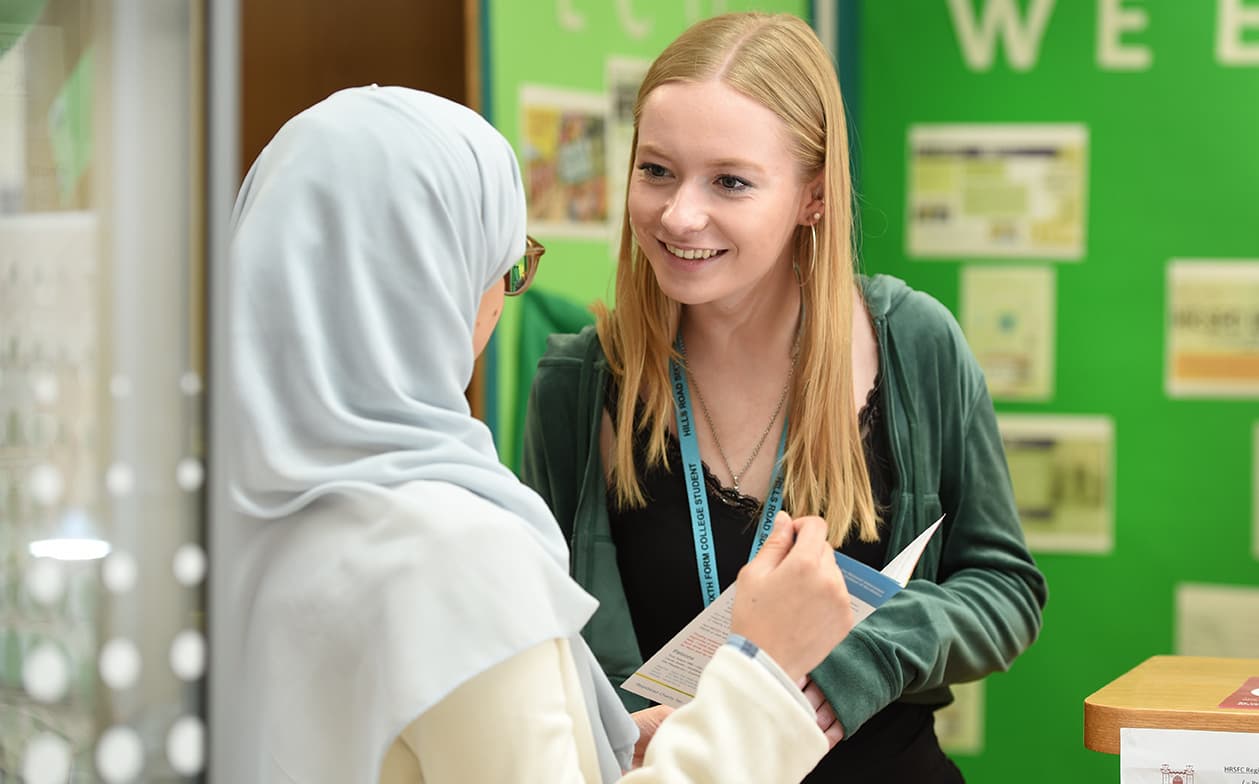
525	721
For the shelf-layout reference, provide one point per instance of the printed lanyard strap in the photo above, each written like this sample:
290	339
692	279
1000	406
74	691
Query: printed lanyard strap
697	493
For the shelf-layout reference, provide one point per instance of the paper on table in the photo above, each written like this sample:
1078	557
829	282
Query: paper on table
1246	696
1149	756
671	676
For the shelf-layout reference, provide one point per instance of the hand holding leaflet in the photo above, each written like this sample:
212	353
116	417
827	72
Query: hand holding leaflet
671	676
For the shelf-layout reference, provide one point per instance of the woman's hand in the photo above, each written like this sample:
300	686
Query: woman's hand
826	719
791	599
648	721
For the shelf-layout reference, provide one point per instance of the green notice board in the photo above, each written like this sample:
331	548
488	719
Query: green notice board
1166	98
557	56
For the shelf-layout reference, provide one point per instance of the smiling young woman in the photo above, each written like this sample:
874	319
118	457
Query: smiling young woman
747	367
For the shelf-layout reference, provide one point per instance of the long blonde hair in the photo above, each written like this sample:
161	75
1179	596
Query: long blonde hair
778	61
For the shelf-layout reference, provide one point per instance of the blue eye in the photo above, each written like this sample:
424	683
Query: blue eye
653	170
731	183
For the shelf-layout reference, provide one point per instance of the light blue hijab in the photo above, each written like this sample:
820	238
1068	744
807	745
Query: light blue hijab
364	238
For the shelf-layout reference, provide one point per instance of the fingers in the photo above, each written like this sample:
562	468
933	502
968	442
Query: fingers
800	539
825	716
811	539
648	721
778	544
817	701
810	534
827	722
834	734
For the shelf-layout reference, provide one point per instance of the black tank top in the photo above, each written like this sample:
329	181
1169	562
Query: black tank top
656	556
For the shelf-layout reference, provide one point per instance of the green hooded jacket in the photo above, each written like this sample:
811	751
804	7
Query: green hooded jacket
975	600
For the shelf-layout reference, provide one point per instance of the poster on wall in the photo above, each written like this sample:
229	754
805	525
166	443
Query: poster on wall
1217	620
1002	190
563	152
960	725
1213	328
623	76
1009	317
12	118
49	303
1062	468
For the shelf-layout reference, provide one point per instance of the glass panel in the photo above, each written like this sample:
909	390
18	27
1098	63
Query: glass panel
102	650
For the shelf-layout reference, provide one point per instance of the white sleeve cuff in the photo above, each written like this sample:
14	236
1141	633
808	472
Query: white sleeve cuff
753	651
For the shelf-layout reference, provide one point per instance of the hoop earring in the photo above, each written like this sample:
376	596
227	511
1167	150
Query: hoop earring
812	254
813	247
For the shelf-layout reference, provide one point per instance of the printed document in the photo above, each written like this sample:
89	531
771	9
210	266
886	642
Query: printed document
671	676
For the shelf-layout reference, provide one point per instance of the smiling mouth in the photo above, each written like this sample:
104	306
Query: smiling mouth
692	254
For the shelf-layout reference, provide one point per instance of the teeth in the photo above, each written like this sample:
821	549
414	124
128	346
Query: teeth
691	253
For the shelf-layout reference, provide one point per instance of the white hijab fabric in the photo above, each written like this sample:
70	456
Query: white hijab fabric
382	555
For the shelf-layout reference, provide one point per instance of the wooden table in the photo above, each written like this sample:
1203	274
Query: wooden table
1170	692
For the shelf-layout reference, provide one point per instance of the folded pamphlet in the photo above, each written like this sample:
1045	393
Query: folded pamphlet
671	676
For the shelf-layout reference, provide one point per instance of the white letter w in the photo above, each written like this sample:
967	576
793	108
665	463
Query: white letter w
979	39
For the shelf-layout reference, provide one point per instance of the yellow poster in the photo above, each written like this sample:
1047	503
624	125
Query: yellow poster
1008	315
1002	190
1062	468
1213	328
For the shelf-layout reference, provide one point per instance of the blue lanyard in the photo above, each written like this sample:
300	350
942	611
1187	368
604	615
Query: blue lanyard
697	494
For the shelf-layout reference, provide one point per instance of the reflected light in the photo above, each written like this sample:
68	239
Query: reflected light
75	539
70	549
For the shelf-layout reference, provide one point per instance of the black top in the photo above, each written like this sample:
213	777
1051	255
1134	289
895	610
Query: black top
656	554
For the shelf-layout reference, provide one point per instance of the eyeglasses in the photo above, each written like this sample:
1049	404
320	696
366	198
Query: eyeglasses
518	278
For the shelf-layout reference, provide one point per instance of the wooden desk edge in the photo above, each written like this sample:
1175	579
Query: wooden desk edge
1102	723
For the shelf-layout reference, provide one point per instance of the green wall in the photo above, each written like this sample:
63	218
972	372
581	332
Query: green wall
533	43
1173	173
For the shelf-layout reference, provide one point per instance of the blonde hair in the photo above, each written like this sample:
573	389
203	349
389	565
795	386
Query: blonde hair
777	61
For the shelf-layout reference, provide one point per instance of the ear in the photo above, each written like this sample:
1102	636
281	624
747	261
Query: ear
813	202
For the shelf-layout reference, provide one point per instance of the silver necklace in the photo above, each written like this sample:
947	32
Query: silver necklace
782	399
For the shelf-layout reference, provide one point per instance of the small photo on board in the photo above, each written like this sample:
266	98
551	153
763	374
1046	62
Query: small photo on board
563	137
1062	468
1001	190
1009	317
1213	328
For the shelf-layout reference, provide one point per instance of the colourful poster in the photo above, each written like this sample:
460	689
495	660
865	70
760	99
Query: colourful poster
1008	315
1213	328
563	145
1000	190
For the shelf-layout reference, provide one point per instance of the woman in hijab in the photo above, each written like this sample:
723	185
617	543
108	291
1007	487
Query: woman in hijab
392	603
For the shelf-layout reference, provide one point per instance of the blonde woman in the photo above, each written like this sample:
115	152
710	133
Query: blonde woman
747	368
